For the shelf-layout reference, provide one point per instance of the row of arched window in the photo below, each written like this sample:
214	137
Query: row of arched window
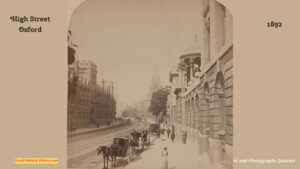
206	109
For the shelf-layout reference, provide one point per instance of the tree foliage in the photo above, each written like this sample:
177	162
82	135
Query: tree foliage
158	103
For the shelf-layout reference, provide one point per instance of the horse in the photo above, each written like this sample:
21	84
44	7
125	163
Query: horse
115	149
106	153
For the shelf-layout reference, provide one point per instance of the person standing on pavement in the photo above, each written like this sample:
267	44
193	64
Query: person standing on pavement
173	129
172	136
184	137
168	132
164	155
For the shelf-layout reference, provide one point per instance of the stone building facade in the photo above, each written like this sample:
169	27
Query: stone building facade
89	104
201	99
142	111
87	71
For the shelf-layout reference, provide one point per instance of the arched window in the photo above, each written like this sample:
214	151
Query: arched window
205	112
197	63
219	89
189	112
186	114
192	115
197	114
188	69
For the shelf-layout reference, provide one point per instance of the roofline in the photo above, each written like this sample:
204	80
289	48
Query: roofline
188	54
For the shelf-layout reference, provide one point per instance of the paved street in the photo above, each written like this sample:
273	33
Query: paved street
81	149
180	156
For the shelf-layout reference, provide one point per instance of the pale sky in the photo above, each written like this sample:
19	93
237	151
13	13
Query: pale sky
127	38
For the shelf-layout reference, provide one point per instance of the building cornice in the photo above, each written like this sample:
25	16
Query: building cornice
216	59
189	54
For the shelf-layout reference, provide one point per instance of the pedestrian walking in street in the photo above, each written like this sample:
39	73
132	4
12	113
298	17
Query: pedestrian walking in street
168	132
184	137
173	136
164	155
173	129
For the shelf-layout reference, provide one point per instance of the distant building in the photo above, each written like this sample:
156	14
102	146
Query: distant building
201	98
142	109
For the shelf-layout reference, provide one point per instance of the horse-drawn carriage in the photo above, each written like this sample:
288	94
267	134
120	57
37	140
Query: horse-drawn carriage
135	139
155	129
124	147
140	139
121	147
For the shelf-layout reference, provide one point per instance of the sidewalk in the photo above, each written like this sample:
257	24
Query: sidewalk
181	156
92	129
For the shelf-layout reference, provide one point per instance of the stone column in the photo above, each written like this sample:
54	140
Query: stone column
186	75
182	81
197	121
194	113
191	69
204	137
187	114
190	113
183	112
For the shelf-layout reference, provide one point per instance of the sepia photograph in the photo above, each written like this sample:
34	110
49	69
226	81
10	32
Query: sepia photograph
150	84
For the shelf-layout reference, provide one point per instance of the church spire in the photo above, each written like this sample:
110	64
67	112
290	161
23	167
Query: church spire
155	82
